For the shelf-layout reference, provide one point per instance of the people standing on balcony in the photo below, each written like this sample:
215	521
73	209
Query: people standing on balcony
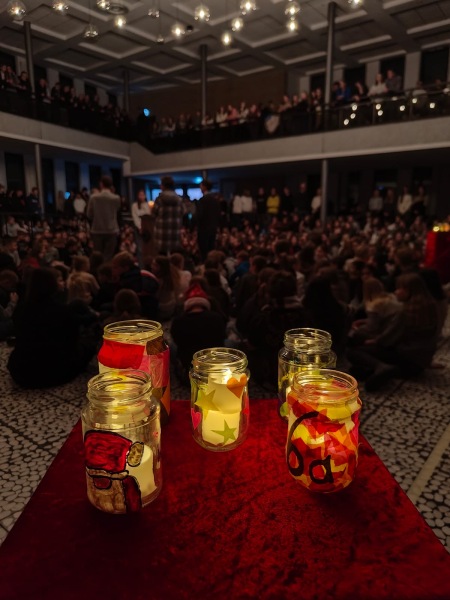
247	207
168	212
261	207
379	88
393	83
102	211
23	84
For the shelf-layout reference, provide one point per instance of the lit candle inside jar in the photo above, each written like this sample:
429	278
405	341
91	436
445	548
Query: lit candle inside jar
221	404
143	473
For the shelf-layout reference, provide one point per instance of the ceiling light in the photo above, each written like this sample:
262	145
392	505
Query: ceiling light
237	24
16	10
160	40
178	30
293	25
60	7
355	3
432	105
202	13
346	122
402	107
91	32
226	38
292	8
247	6
103	4
354	107
353	116
153	13
380	113
120	22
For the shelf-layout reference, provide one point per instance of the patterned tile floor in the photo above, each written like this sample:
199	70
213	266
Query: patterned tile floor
408	424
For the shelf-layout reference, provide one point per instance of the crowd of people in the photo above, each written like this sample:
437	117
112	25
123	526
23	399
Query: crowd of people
301	113
222	278
305	111
61	104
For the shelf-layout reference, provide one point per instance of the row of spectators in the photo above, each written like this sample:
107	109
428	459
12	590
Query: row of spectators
342	95
62	105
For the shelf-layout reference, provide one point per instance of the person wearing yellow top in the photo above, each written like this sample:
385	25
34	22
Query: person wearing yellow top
273	202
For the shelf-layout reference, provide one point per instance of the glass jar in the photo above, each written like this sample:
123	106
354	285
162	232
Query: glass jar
322	441
219	398
139	345
122	441
304	349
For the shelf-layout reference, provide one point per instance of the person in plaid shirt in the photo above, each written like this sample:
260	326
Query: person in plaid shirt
168	213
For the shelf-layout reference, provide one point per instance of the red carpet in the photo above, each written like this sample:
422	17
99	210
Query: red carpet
225	526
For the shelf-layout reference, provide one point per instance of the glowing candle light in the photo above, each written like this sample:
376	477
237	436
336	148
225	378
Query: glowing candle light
322	442
219	402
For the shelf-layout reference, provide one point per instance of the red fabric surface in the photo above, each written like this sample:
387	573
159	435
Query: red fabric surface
226	525
437	253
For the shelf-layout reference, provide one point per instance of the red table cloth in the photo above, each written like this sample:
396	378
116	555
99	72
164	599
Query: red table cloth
226	526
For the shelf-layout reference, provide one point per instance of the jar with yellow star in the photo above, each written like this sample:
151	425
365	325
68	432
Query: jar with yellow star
219	398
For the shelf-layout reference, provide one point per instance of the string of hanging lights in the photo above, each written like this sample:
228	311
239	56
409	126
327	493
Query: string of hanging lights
17	10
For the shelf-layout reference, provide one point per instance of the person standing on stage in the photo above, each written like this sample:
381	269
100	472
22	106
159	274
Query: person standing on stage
168	211
102	211
208	218
139	209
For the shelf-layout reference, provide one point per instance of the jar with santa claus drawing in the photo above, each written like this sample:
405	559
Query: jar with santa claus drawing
122	441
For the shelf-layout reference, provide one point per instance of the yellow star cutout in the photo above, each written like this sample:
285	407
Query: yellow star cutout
205	402
228	432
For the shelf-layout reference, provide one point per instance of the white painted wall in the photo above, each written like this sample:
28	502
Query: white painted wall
52	77
103	95
412	70
78	84
372	70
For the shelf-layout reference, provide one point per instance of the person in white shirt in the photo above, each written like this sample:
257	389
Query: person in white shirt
247	205
404	202
138	210
236	210
376	202
316	202
12	229
79	205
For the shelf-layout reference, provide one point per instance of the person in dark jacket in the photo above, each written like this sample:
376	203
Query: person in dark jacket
196	328
48	350
129	276
208	218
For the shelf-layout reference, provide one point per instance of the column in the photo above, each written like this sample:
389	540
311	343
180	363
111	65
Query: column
204	58
126	90
39	181
29	53
328	84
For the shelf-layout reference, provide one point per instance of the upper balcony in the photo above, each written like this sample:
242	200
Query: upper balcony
382	126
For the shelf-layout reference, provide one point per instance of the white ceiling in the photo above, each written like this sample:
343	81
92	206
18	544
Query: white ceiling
376	30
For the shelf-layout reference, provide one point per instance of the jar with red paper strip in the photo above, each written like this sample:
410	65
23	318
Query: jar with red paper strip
122	441
139	345
322	441
219	398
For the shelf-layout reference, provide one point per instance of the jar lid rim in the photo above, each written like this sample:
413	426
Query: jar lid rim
346	389
119	384
219	358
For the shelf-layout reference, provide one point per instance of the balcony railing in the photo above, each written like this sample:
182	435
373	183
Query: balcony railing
407	106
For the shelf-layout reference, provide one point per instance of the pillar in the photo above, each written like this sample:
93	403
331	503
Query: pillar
204	59
29	54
